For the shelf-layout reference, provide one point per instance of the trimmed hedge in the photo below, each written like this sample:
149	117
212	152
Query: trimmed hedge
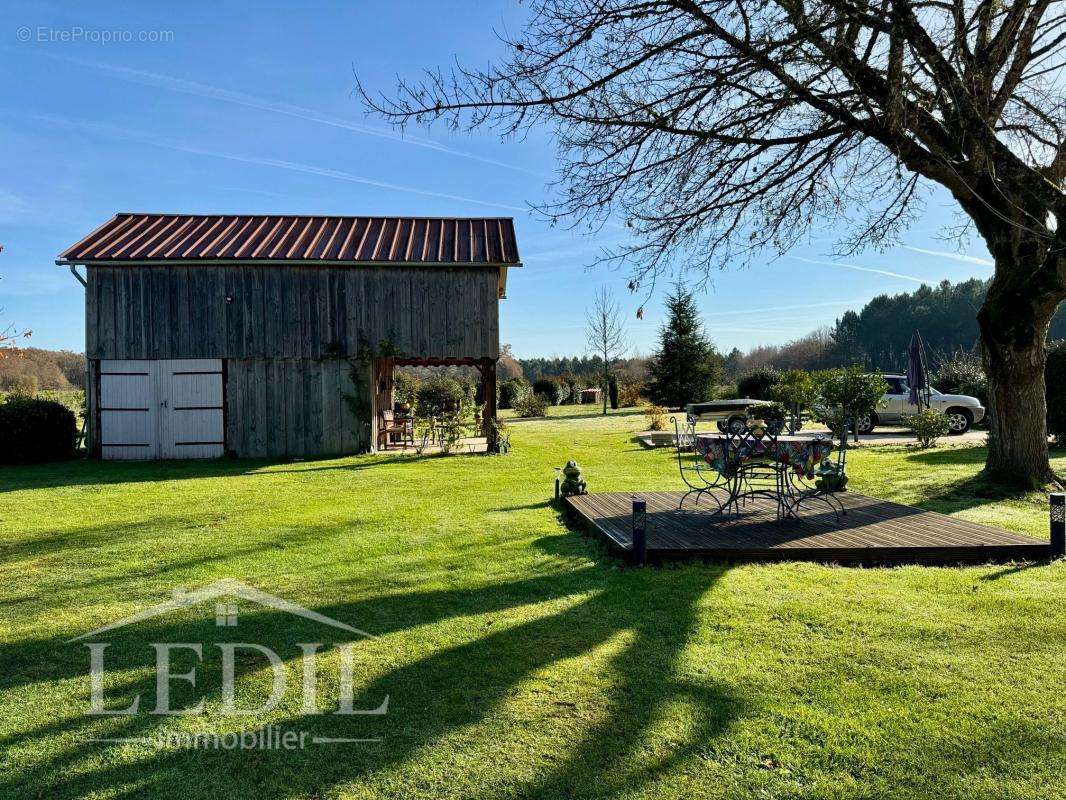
33	430
550	389
757	383
511	390
531	405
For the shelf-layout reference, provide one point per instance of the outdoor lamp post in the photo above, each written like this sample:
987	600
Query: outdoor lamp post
640	530
1057	502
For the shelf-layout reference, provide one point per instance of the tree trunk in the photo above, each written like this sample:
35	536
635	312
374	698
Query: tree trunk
1014	323
606	381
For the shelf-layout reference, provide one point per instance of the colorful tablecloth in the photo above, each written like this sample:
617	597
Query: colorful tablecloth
727	455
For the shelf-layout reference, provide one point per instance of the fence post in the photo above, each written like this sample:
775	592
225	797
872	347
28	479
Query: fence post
1057	502
640	531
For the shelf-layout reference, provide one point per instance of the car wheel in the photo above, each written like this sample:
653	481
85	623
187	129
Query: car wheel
866	423
959	420
738	425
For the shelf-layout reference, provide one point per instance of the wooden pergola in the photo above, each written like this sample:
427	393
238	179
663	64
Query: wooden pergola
383	381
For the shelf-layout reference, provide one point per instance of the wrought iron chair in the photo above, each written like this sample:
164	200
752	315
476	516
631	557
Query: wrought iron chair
757	473
830	476
694	470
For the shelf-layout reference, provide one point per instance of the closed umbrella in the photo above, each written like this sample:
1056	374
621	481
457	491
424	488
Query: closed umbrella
917	377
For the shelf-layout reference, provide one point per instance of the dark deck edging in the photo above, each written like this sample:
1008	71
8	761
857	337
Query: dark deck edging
874	532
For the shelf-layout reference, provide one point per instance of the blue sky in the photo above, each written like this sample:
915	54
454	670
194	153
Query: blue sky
249	107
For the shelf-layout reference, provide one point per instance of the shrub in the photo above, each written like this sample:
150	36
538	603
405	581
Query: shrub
756	384
440	395
1055	389
550	389
405	389
569	388
767	411
796	389
656	416
962	373
531	405
24	384
512	389
454	424
850	389
612	391
928	426
36	430
630	394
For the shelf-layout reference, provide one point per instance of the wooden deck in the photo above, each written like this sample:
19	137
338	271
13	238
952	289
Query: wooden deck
872	532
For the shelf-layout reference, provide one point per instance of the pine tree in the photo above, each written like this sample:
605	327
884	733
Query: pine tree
686	365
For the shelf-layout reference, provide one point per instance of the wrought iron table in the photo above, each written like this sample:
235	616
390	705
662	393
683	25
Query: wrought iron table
777	467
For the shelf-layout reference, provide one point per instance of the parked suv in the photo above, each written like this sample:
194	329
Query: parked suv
962	411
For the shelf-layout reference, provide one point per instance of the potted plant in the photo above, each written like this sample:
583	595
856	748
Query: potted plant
767	417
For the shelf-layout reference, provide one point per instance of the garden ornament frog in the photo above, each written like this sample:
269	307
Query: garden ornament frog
573	482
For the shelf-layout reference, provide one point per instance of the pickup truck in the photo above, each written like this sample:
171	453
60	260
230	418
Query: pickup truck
962	410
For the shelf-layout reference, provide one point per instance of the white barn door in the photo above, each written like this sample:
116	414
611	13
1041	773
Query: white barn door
190	408
127	413
161	409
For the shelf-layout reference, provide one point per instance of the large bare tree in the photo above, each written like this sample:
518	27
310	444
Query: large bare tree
606	334
728	128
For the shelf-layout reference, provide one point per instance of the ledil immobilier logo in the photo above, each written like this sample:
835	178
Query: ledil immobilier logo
229	596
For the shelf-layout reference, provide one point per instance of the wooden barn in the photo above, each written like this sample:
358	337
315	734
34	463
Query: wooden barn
276	336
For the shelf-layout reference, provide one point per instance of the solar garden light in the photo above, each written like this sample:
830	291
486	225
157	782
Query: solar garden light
1057	502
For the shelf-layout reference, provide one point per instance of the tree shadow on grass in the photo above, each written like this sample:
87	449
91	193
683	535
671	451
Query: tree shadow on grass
943	456
971	492
519	629
91	472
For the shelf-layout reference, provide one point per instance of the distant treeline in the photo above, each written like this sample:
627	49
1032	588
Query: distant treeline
877	335
533	369
30	369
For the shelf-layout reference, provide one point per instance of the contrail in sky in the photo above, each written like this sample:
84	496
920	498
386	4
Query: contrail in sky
182	86
783	308
856	267
277	163
984	262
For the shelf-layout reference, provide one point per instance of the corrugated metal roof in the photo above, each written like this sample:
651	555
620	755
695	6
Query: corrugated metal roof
271	237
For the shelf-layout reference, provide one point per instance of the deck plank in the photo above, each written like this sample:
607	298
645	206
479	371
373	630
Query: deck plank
873	531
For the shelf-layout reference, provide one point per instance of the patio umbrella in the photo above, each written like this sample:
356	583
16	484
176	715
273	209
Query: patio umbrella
917	377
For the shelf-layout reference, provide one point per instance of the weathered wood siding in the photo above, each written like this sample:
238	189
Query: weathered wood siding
288	407
258	311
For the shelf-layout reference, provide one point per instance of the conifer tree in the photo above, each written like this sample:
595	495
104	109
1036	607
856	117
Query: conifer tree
686	366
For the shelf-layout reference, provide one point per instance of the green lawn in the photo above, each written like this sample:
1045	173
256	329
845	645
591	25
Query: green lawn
519	660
